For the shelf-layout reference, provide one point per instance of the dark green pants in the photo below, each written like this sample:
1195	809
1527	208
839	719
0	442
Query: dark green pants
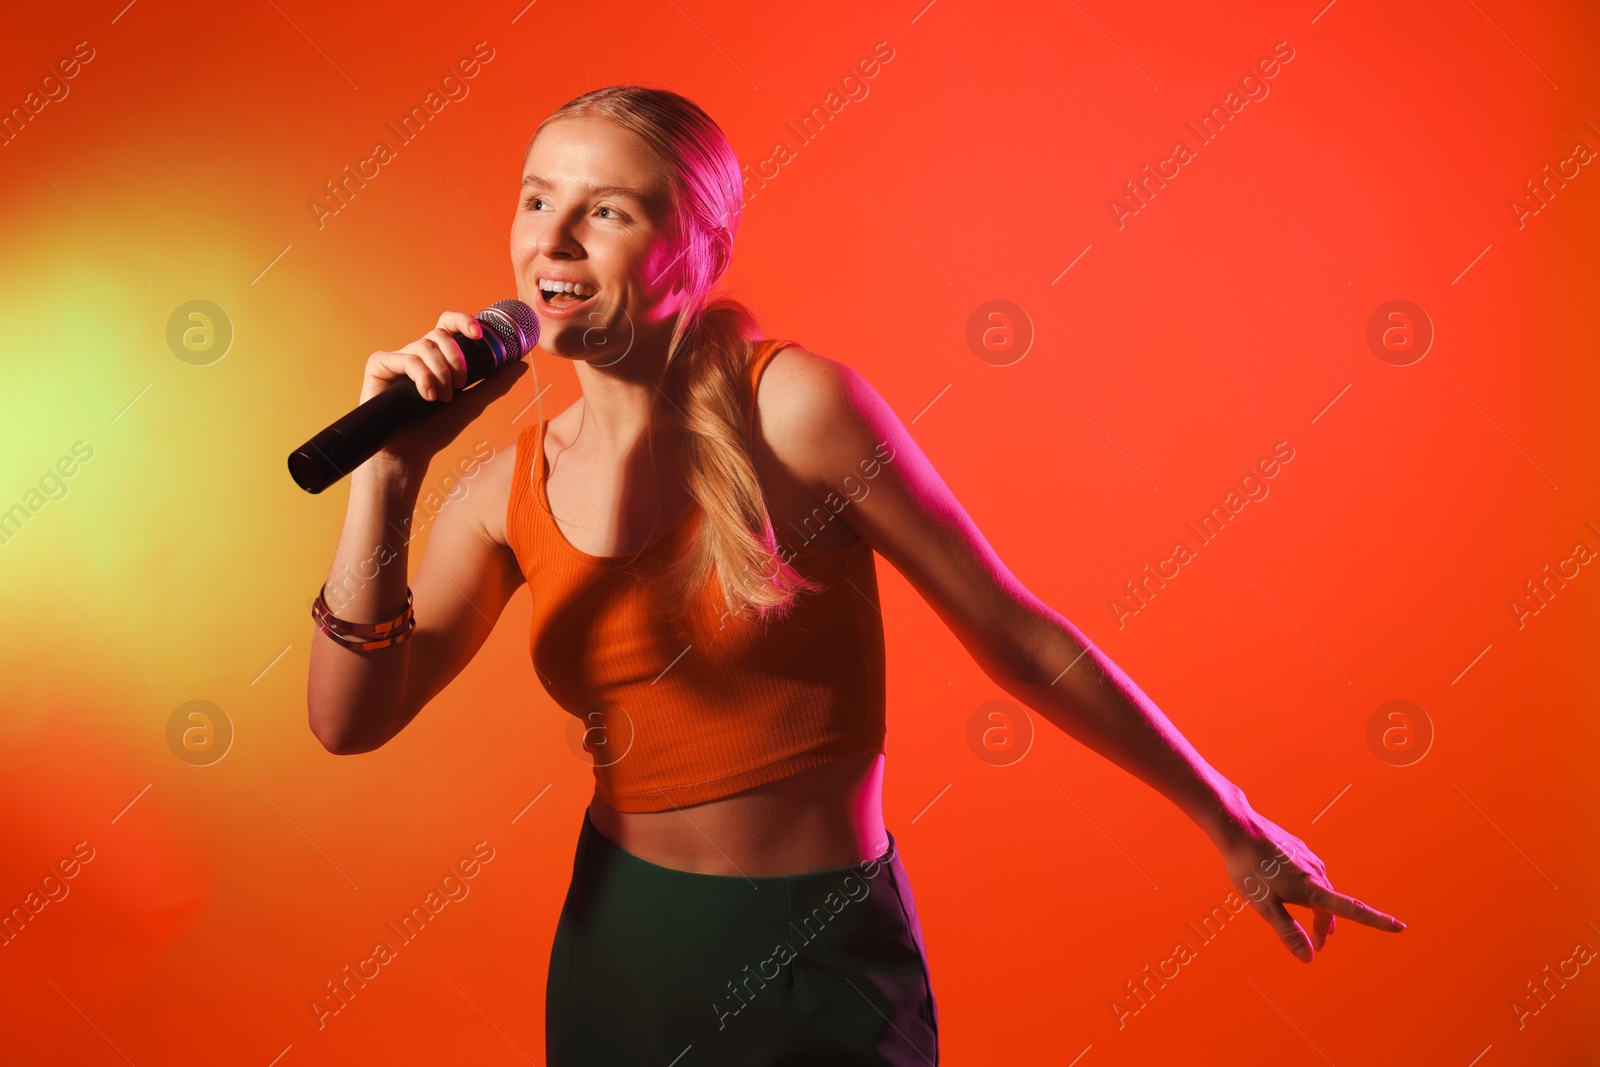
654	966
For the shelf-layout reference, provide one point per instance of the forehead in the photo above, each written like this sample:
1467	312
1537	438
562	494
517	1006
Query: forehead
586	154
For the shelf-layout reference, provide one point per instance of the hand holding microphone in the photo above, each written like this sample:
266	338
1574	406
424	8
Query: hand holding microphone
401	421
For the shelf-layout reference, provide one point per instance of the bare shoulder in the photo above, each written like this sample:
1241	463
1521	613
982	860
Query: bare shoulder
795	379
832	432
815	414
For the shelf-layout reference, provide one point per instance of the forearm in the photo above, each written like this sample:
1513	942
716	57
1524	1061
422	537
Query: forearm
353	696
1080	690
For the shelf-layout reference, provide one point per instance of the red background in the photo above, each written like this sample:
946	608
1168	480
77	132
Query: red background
1228	314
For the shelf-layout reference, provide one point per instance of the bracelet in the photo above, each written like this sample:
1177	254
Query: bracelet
363	636
361	645
319	608
398	631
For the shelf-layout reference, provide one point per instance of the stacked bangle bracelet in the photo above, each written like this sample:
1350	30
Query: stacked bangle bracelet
363	636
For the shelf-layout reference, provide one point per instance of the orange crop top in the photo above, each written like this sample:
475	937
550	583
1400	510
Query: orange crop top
678	713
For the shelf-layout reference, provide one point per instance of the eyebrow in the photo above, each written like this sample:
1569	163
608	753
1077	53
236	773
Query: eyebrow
592	189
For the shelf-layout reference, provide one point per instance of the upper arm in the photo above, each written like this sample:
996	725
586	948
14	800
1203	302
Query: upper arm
834	432
465	580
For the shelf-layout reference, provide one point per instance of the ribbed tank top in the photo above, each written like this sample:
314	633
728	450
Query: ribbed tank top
679	712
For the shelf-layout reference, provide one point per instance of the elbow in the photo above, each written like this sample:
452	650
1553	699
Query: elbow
1035	653
343	749
332	740
337	738
1011	658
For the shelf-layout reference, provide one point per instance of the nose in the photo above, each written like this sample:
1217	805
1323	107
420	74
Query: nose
558	239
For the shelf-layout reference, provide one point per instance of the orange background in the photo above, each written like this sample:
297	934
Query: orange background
1228	314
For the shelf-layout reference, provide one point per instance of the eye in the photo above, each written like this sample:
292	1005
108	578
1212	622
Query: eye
614	212
532	200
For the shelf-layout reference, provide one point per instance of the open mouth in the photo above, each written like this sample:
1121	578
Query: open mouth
564	294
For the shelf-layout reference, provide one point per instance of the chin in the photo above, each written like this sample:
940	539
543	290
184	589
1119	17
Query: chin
551	343
593	337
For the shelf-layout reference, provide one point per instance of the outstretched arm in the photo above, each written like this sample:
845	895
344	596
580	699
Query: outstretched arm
823	421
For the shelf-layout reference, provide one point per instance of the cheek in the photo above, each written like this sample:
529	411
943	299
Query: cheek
524	241
638	304
663	268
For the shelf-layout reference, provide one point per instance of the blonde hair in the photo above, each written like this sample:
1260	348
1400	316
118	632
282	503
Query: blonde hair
708	356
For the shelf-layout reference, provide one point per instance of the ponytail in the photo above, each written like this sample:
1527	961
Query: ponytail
706	376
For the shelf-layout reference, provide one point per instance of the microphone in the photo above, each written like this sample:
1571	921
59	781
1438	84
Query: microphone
510	330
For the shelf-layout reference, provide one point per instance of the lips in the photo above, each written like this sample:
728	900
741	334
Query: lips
567	306
549	296
556	303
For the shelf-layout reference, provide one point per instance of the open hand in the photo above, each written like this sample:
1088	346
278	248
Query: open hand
1272	867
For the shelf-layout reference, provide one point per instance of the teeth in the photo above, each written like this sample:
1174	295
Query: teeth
574	288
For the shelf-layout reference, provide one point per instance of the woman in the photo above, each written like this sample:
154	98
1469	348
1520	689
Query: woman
700	555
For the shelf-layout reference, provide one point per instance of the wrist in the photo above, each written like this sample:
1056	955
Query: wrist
1226	814
388	479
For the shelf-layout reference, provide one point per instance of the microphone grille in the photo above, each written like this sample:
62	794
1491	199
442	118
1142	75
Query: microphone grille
514	323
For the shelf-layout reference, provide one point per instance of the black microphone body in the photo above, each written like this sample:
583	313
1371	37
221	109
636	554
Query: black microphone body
510	331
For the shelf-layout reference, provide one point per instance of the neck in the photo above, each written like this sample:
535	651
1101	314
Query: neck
619	393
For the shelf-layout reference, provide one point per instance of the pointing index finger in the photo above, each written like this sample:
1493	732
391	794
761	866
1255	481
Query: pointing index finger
1351	908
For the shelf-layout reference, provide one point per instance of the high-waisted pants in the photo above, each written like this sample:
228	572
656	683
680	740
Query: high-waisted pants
668	968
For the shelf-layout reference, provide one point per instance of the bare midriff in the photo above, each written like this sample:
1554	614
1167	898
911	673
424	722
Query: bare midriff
818	820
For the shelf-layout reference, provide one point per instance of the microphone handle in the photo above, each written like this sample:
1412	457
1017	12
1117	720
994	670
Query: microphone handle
357	436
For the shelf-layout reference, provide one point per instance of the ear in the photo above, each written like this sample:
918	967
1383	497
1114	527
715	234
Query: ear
721	252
